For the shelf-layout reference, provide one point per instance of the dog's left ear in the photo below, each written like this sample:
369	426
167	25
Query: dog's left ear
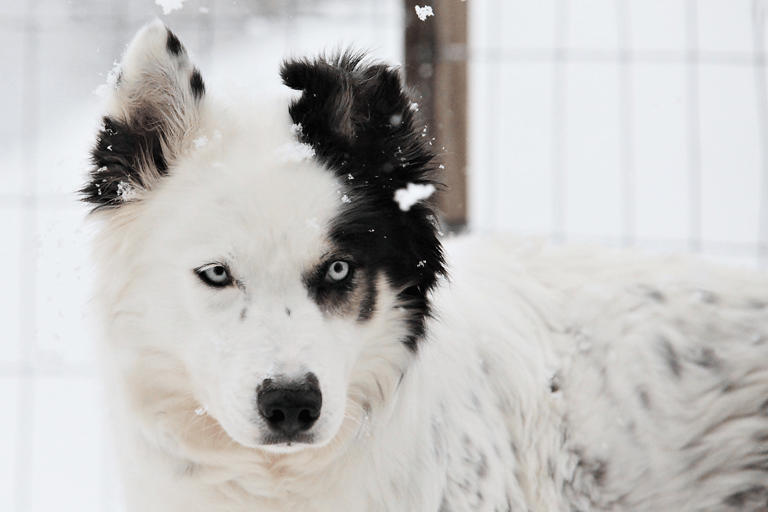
153	112
359	119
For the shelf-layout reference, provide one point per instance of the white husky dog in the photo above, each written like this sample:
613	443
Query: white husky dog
280	332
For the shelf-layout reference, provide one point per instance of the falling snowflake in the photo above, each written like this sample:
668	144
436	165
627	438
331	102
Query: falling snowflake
113	80
424	12
412	194
169	5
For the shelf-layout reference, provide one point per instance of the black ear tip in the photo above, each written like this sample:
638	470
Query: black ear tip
172	44
390	91
294	74
391	78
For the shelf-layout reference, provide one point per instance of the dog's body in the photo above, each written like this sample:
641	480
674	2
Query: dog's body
279	335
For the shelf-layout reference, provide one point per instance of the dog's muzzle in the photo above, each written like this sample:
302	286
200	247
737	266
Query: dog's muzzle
289	407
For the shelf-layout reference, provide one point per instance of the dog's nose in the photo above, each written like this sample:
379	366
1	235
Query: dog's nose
290	407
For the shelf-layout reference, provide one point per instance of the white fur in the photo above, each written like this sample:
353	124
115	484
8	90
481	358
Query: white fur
471	421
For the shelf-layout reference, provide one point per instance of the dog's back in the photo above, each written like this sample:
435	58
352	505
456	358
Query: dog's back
656	370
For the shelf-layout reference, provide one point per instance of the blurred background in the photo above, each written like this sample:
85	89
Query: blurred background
619	122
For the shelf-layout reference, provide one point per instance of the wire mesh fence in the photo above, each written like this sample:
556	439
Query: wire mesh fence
623	122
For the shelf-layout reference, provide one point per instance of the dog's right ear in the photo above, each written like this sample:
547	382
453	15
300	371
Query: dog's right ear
153	112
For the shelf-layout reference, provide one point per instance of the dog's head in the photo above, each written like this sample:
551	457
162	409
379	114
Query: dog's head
264	267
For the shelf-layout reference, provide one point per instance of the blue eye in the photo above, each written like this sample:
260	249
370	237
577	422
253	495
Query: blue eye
337	271
215	274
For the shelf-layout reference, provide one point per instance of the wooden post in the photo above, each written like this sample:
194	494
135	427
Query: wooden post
436	69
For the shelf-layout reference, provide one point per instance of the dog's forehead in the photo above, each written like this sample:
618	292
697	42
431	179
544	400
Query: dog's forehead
257	195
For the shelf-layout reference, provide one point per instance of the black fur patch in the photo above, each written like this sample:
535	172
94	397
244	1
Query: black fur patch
708	297
173	45
120	156
645	398
196	83
358	119
755	495
551	468
594	468
707	358
673	359
555	383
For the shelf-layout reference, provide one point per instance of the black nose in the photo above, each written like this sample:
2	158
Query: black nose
290	407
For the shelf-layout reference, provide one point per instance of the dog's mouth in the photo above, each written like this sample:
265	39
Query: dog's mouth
276	440
270	444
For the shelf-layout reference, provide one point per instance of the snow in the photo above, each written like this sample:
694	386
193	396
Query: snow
200	411
345	199
424	12
201	141
295	151
169	5
412	194
125	191
112	78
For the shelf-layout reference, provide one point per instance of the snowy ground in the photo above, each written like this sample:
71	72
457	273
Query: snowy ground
619	122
